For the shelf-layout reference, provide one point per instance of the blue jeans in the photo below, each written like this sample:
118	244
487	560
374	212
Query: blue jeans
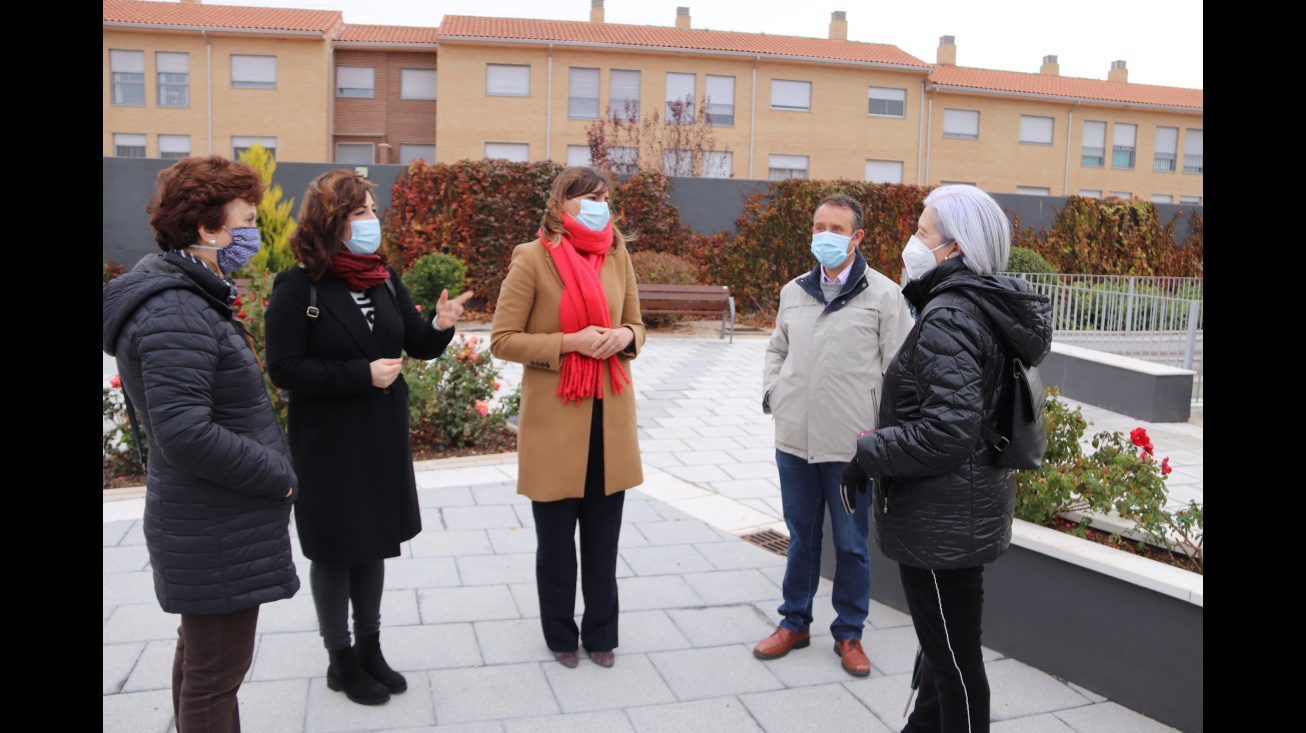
806	489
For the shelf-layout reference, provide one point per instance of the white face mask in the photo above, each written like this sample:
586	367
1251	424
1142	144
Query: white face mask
918	258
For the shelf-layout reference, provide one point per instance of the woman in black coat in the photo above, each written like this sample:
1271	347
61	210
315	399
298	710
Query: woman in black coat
942	507
337	328
218	480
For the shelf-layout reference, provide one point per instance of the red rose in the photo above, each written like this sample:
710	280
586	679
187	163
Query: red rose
116	383
241	315
418	306
1165	466
1138	436
236	303
496	386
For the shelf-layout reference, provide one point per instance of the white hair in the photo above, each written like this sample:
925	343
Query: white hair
972	219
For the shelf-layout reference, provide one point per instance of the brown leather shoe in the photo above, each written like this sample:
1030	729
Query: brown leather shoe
603	659
779	643
568	659
854	659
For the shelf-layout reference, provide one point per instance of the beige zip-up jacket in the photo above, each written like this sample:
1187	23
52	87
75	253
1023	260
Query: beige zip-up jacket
825	363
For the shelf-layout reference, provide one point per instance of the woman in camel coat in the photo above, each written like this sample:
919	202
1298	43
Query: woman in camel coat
577	445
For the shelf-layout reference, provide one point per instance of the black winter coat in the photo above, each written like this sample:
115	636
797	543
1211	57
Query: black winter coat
939	501
349	439
216	513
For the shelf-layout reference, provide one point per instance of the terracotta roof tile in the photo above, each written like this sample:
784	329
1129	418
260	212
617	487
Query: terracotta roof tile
454	26
387	34
219	16
1065	86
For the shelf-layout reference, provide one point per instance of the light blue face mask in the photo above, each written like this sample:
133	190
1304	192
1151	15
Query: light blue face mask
830	249
593	215
366	237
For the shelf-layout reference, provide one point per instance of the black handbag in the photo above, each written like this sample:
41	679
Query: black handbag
1020	439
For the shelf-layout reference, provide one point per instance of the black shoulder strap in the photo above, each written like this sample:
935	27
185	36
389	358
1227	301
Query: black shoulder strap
313	310
996	439
136	429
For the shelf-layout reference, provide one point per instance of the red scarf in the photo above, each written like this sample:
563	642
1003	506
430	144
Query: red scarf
359	272
579	257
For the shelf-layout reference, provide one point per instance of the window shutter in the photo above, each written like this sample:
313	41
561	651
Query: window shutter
172	63
961	122
788	162
1094	134
513	152
1167	139
884	171
1035	129
175	144
355	77
578	155
717	163
791	94
417	83
506	80
885	101
1193	143
623	85
254	69
127	62
679	86
408	152
1123	135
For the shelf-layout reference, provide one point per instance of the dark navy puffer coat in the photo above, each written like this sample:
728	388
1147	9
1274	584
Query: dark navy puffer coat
939	502
216	511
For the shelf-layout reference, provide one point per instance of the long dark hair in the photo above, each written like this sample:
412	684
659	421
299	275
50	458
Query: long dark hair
320	230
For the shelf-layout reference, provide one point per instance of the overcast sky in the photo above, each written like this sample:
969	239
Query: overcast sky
1160	40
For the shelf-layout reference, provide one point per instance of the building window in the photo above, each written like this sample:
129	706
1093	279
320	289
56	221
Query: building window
794	96
1197	200
242	143
623	95
1035	130
578	155
623	159
680	98
1162	198
511	152
1093	152
718	164
127	72
128	145
886	102
884	171
174	147
720	100
1122	145
507	80
408	152
962	124
356	153
1167	146
173	72
1193	151
1033	191
355	81
1121	194
1090	193
583	97
253	72
780	167
678	162
417	84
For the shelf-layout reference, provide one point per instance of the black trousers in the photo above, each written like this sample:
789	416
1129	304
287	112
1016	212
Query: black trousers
946	608
213	654
335	587
599	517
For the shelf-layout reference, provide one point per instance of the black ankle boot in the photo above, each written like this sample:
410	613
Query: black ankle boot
346	673
368	649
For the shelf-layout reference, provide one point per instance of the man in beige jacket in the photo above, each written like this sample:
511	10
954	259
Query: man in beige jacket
836	331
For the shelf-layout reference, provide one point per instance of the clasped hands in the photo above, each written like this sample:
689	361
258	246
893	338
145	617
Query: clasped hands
598	342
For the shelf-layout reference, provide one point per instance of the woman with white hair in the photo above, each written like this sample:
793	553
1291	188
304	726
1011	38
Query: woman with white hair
942	506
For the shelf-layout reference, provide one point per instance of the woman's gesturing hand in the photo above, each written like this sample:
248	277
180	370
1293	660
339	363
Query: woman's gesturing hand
385	371
447	311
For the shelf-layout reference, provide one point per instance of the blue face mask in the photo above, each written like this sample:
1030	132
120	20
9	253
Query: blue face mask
245	242
366	237
593	215
830	249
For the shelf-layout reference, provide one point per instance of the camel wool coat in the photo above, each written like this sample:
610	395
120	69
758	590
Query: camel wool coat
553	437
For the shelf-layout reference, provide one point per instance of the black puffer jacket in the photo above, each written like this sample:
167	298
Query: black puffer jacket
939	502
216	511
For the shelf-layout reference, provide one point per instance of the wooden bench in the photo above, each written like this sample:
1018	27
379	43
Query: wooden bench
694	300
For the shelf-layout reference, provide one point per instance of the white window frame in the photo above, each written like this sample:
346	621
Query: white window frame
889	96
1165	156
957	123
1121	194
720	110
413	83
883	171
356	146
678	162
622	85
1094	140
1037	130
1193	160
791	92
408	152
245	142
174	147
1162	198
512	152
578	155
623	159
507	80
1122	132
256	71
130	143
780	166
583	92
361	81
1091	193
1033	191
677	84
126	77
718	164
172	79
1190	200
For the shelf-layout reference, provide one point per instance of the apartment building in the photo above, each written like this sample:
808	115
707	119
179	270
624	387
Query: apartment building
522	89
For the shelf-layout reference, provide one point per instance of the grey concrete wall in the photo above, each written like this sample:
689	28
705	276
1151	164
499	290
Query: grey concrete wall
1147	391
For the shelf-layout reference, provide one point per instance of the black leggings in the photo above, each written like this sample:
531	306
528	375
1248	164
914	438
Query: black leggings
946	609
334	587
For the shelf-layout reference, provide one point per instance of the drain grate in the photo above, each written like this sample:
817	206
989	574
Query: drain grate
769	539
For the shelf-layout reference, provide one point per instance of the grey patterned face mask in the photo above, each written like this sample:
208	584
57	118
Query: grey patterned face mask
245	243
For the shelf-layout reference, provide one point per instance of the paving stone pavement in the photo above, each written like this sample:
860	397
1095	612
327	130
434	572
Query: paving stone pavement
460	617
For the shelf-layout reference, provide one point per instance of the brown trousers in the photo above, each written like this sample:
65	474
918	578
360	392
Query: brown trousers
213	655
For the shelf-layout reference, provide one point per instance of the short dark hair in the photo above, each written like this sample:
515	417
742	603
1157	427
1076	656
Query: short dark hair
844	201
194	192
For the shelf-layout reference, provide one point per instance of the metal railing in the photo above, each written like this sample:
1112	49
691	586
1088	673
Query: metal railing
1193	163
1156	319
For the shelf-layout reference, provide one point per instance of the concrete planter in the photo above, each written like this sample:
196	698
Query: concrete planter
1123	626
